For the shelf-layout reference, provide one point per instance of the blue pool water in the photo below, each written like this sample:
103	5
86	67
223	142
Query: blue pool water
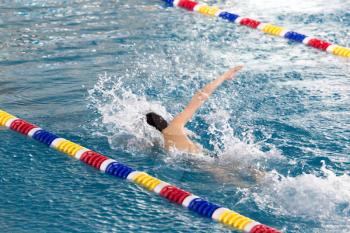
89	70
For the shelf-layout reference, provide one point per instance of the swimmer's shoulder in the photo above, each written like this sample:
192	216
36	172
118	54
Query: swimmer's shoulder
173	128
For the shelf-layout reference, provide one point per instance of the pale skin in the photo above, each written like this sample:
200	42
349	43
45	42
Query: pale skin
175	135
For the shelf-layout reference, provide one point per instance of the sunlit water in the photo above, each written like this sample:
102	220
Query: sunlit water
90	70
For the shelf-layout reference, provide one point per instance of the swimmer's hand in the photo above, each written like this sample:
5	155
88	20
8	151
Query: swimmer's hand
231	72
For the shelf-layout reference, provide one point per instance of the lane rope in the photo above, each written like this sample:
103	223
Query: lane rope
114	168
264	27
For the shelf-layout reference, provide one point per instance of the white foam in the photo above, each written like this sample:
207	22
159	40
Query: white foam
322	199
268	7
123	115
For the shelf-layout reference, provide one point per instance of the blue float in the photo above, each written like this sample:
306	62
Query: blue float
203	207
119	170
169	2
228	16
44	137
295	36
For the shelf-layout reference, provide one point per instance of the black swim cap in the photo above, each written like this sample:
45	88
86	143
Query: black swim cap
156	121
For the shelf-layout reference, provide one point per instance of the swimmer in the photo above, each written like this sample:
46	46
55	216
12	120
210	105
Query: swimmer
174	133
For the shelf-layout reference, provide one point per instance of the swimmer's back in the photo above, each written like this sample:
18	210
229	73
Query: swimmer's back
175	137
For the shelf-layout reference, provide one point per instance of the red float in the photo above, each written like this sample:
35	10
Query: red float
263	229
174	194
22	126
319	44
93	158
189	5
250	22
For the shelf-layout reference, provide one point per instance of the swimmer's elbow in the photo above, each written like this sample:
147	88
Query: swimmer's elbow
178	122
202	95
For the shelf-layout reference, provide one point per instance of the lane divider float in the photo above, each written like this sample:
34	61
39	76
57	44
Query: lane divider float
264	27
114	168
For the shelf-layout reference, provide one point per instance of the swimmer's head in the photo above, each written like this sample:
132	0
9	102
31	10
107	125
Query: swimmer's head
156	121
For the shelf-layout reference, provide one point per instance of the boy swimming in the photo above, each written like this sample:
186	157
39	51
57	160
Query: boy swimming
174	133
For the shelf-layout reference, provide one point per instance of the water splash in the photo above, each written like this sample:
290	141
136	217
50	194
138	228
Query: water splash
123	114
323	200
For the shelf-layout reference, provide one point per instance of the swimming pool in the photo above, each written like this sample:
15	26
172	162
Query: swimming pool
89	70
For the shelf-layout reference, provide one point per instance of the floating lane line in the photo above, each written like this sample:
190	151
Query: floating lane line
264	27
114	168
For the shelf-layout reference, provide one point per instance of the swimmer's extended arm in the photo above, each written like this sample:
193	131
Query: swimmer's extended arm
202	95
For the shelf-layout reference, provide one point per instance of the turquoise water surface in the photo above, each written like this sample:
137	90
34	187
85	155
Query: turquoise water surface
89	71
